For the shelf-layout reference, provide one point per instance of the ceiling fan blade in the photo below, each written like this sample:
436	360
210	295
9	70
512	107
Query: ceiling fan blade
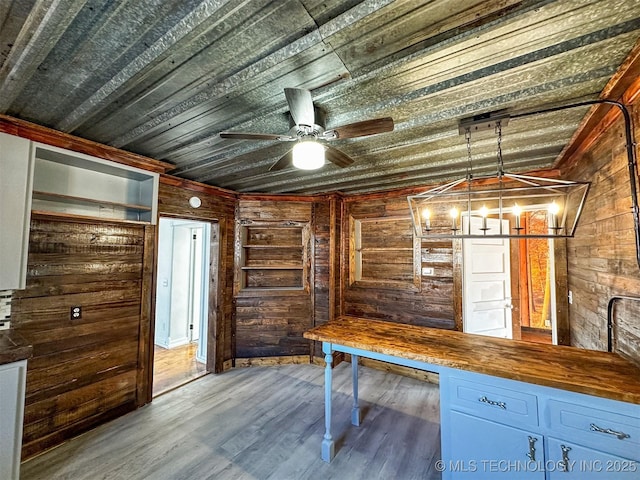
337	157
364	128
250	136
284	162
300	105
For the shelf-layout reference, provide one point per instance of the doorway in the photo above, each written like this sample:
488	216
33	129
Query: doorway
182	303
509	285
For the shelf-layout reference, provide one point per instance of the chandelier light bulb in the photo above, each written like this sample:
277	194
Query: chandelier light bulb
454	219
426	215
517	211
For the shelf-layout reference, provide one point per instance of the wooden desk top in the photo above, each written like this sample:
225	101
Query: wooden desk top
601	374
13	347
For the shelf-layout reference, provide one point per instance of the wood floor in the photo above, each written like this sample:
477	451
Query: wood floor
261	423
175	367
537	335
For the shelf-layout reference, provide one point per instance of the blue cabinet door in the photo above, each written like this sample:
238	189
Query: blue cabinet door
568	461
482	449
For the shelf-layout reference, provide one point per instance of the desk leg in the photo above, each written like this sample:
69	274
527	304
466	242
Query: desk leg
327	441
355	410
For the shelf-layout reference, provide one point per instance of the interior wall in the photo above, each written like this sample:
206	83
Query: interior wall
85	371
601	258
326	263
431	304
270	322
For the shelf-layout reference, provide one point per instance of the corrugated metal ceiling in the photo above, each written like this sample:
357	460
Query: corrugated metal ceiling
163	77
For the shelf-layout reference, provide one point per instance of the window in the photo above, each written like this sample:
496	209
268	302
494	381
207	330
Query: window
384	252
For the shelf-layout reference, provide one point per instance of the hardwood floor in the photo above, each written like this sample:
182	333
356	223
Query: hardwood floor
537	335
175	367
261	423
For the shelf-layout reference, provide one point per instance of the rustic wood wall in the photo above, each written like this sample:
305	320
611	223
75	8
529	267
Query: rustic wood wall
84	371
601	257
218	207
326	255
270	322
432	301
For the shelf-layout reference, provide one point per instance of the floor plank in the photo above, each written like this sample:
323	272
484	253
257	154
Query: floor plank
261	423
174	367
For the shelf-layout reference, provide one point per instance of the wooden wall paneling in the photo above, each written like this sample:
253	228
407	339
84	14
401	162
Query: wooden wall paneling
601	258
83	371
215	339
563	329
323	256
269	315
147	315
429	303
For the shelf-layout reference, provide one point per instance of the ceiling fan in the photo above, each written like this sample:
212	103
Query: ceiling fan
308	126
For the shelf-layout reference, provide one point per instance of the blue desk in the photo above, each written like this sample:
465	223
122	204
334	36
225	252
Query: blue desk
548	410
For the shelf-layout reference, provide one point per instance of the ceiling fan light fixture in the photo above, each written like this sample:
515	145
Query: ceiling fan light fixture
308	155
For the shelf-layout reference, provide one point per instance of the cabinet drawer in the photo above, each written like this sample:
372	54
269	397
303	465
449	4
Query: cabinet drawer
493	402
612	432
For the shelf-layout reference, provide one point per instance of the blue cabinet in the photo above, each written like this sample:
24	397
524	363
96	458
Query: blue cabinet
498	428
485	449
569	461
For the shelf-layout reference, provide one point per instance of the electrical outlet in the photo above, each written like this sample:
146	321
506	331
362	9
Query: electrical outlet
428	271
76	313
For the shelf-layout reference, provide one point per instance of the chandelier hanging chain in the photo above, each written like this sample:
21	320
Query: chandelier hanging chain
500	161
467	136
492	205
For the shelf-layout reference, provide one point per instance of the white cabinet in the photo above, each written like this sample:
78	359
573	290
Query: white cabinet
12	390
16	174
498	428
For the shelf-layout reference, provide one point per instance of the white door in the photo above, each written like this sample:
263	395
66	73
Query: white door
486	282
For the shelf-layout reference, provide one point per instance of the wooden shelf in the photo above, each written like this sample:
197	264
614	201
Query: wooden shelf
272	258
271	246
273	267
85	218
72	199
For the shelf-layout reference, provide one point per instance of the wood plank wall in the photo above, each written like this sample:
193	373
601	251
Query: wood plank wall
326	263
84	371
601	257
431	304
218	206
270	323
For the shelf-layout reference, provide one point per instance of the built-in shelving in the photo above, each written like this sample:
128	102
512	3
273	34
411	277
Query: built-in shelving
272	257
73	184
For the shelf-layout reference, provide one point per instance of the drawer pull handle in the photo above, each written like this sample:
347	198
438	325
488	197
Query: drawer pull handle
564	464
484	399
532	448
620	435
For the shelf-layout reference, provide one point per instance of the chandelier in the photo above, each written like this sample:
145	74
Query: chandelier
502	205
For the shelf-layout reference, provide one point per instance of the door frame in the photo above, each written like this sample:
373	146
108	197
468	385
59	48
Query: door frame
213	326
